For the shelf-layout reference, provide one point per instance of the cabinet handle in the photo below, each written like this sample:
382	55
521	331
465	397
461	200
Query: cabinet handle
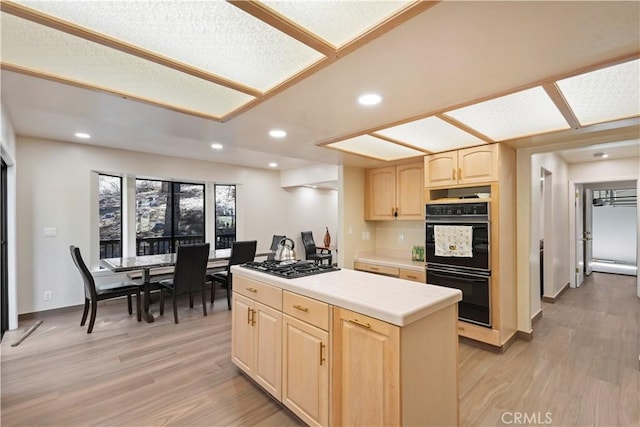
252	290
411	277
453	174
253	317
459	174
374	268
301	308
248	315
359	323
321	355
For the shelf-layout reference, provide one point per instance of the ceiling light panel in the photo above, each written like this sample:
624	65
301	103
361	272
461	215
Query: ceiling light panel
214	36
607	94
519	114
370	146
431	134
56	53
337	21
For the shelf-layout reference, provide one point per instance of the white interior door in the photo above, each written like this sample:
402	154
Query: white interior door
579	235
588	228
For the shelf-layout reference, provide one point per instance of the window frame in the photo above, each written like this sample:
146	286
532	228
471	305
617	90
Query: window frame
215	213
100	174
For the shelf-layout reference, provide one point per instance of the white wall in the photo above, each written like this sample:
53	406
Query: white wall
54	190
8	154
614	233
351	213
558	269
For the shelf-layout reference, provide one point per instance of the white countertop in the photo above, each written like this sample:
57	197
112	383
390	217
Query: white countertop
396	301
390	261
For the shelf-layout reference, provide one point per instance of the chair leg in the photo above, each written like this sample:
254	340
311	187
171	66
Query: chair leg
175	307
229	295
129	304
161	302
138	306
86	311
204	300
213	291
190	299
92	319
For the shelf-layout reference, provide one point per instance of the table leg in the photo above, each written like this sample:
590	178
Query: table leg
146	314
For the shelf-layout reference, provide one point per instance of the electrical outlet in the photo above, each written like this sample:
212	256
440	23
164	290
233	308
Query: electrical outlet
400	238
48	295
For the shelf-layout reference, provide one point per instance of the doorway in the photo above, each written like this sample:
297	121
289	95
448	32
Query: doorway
4	273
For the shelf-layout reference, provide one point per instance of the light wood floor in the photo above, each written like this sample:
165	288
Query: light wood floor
581	368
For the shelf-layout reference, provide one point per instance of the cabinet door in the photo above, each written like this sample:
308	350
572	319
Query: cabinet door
267	370
440	170
305	379
478	164
409	191
380	193
366	369
242	348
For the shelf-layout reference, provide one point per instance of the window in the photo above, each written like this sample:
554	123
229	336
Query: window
110	211
225	215
168	214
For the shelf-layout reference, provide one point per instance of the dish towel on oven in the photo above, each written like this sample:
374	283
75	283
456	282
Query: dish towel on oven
453	240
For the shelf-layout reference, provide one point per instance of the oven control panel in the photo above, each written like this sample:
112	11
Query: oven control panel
457	209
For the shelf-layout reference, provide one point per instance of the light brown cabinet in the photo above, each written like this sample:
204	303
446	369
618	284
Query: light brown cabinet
256	330
402	273
306	358
473	165
374	391
394	192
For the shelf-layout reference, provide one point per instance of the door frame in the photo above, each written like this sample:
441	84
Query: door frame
572	216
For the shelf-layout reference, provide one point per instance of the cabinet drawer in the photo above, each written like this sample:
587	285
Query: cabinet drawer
379	269
306	309
258	291
416	276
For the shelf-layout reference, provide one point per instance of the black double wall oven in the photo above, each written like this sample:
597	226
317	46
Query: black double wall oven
458	255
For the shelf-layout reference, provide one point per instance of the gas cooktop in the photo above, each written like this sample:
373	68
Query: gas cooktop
290	269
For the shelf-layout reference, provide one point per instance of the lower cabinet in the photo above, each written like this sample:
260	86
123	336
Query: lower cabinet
366	367
305	373
256	348
387	375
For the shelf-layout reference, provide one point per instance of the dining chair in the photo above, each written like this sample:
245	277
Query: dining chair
189	276
241	252
275	241
93	293
311	250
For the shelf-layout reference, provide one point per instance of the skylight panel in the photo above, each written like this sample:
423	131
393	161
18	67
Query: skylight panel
519	114
213	36
431	134
606	94
337	21
370	146
54	53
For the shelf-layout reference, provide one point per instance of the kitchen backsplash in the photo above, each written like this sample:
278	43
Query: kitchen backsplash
399	235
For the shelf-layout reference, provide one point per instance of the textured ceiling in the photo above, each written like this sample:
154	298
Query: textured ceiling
425	61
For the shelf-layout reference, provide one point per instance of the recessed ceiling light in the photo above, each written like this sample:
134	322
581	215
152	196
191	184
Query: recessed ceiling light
273	165
82	135
600	155
216	146
370	99
277	133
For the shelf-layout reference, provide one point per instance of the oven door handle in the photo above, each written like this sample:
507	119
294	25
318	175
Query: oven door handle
463	277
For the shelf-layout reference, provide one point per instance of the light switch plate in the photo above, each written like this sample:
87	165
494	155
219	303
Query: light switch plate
50	232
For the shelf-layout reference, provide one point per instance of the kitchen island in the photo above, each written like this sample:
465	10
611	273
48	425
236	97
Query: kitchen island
349	348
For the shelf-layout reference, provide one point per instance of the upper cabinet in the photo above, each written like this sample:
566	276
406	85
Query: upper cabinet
395	192
461	167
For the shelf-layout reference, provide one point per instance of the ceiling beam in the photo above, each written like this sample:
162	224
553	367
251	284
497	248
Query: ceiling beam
282	23
465	128
561	103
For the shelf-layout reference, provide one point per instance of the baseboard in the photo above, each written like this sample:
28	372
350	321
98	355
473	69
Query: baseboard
555	298
536	317
37	315
525	336
483	345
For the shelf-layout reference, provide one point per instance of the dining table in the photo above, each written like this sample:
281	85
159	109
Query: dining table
217	259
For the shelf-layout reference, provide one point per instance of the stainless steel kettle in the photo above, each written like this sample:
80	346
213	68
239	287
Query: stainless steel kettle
285	250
